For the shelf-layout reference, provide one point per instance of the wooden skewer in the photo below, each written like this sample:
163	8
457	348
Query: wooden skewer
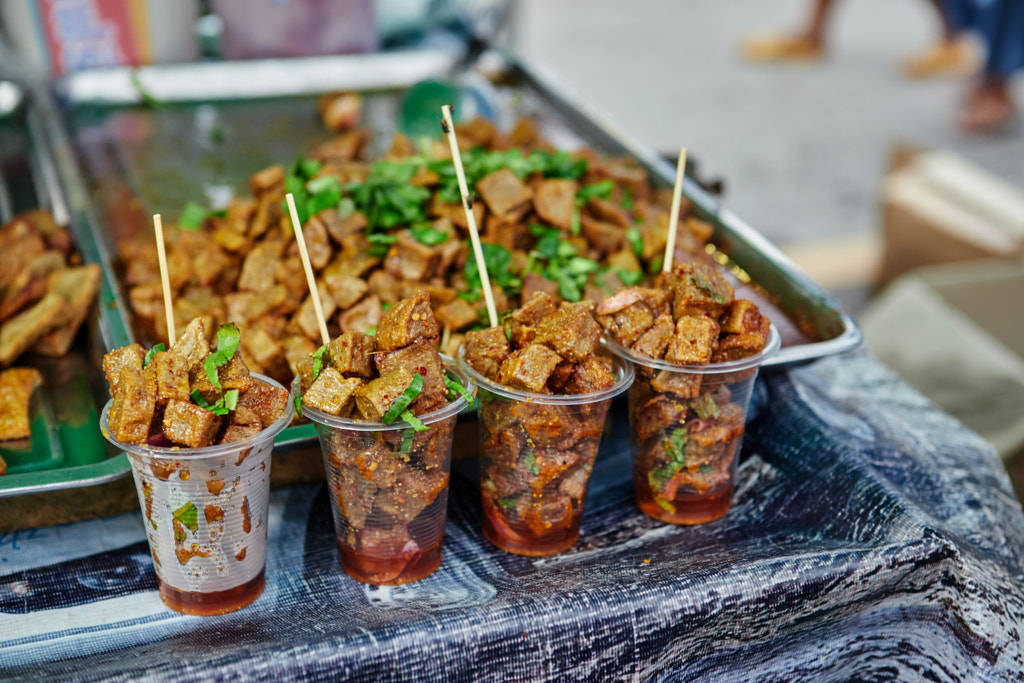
310	280
478	252
673	220
165	280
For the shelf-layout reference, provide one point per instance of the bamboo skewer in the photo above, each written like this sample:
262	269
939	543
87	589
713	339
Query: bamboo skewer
314	292
467	204
165	281
673	220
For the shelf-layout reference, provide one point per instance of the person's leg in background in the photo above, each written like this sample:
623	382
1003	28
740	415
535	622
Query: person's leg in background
952	55
989	106
804	45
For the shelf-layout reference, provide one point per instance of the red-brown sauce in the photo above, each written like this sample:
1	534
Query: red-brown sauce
689	507
392	570
519	539
216	602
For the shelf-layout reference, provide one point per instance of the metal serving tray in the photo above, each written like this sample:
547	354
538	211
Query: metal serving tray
66	449
147	140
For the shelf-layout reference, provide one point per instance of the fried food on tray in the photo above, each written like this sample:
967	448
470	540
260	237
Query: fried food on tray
191	395
43	298
574	224
16	387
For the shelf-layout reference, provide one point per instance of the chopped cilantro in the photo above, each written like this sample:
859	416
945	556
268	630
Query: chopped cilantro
531	463
627	199
428	235
228	338
192	216
508	504
636	241
318	361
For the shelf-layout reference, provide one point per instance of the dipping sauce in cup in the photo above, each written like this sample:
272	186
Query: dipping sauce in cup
537	448
204	503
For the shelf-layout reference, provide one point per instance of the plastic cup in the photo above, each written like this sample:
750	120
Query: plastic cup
536	455
205	513
388	487
686	424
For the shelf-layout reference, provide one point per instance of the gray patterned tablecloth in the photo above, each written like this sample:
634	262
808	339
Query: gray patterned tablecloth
872	538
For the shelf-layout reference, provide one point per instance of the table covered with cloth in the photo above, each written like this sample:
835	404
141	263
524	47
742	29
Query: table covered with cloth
872	537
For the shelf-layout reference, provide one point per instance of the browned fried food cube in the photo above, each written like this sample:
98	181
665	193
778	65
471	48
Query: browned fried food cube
345	288
737	346
232	375
244	423
351	354
560	376
295	349
555	201
588	377
171	373
529	368
700	289
654	342
305	319
267	180
505	195
682	384
486	350
629	323
742	316
604	237
571	332
266	400
363	316
694	341
259	270
331	391
131	414
375	397
191	343
263	350
78	286
115	363
410	259
422	358
456	314
16	387
413	491
534	283
539	306
189	425
405	322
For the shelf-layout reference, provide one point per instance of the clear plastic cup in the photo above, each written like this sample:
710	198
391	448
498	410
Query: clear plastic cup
205	513
388	486
536	455
686	424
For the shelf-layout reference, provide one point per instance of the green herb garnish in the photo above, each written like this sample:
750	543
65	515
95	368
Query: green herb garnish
455	388
531	463
405	447
498	260
222	406
159	348
508	504
636	241
705	407
192	216
318	361
413	421
428	235
228	338
705	469
402	402
627	199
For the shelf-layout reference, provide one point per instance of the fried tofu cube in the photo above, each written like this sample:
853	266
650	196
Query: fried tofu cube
405	322
529	368
700	289
629	323
345	288
266	400
116	362
588	377
244	423
506	195
555	202
682	384
410	259
741	316
571	332
694	341
486	350
16	387
331	392
456	314
267	180
654	342
351	353
375	397
232	375
189	425
420	357
364	315
131	414
295	349
171	373
737	346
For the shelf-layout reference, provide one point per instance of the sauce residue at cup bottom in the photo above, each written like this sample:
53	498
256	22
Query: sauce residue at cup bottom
687	507
393	570
516	537
211	604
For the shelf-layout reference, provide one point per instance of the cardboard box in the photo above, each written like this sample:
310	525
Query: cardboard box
938	208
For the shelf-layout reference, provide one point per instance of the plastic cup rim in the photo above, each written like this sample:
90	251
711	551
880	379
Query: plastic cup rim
180	452
450	410
623	370
770	349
